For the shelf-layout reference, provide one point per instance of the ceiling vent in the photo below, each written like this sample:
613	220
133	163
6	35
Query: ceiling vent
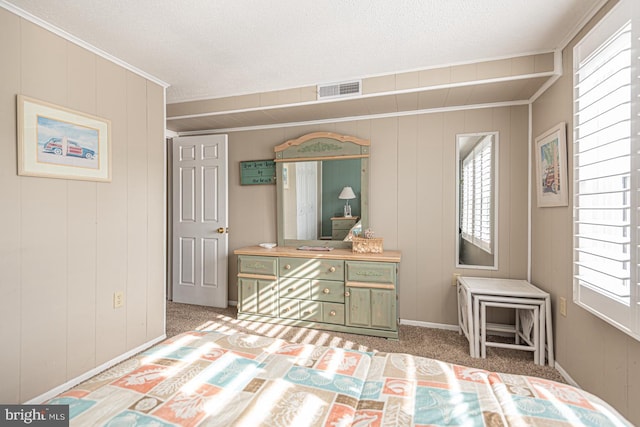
338	90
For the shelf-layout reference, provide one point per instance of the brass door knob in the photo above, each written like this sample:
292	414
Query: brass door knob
220	230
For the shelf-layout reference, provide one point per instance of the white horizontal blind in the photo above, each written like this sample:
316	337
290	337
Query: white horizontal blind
476	195
605	207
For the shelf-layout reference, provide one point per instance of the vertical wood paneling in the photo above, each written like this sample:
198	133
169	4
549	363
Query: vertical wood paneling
137	175
501	119
44	240
44	232
518	196
81	268
10	218
431	260
408	216
112	255
156	196
43	70
445	312
383	177
81	225
65	244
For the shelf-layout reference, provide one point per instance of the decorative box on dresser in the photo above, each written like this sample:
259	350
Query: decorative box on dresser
335	290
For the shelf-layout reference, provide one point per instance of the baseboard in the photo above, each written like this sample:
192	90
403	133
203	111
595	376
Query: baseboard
566	375
232	303
95	371
429	324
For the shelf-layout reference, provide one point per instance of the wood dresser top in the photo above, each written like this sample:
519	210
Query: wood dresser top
346	254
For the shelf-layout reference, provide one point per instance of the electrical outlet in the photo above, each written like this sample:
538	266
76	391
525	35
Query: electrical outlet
454	280
118	299
563	306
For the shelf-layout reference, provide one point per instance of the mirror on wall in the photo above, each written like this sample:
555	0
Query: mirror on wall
322	188
477	200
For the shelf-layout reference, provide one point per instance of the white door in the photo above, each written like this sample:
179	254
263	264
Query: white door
200	220
307	198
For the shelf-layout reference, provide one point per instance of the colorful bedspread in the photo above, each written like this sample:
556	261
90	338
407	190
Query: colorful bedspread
215	379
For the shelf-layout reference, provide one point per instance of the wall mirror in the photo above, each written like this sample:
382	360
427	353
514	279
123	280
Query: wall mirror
322	178
477	200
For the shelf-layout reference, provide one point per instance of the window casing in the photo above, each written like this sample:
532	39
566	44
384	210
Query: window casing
606	175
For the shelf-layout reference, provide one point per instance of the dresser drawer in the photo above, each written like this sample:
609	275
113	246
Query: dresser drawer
312	311
293	287
327	290
371	272
333	313
258	265
289	308
329	269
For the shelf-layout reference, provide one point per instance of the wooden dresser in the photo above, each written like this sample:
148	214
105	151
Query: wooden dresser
335	290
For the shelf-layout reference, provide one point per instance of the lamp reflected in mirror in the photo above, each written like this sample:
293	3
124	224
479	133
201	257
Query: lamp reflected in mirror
347	194
477	199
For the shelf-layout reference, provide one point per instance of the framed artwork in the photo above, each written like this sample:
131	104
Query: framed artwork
551	167
58	142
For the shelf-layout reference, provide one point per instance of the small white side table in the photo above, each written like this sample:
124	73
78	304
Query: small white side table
471	290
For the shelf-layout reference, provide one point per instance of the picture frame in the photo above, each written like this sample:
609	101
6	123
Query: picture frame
58	142
551	167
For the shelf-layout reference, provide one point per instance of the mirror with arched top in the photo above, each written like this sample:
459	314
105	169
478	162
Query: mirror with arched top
322	189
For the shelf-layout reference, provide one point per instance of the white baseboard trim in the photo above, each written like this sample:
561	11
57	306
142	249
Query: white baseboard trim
95	371
566	375
429	324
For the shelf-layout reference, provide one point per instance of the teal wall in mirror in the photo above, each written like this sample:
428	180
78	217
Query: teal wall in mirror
336	175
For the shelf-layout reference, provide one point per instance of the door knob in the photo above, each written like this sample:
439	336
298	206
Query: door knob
220	230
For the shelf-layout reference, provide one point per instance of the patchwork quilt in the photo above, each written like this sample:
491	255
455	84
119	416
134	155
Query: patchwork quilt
217	379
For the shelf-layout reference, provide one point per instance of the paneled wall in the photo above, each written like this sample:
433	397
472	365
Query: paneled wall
67	246
596	355
412	198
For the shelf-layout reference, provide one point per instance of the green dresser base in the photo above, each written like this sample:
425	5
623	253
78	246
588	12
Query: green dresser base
335	291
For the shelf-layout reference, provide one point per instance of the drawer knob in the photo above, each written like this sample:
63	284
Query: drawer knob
307	312
332	269
287	267
291	289
325	290
332	313
347	294
287	309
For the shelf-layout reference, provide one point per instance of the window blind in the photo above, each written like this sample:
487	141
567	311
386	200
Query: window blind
476	195
605	199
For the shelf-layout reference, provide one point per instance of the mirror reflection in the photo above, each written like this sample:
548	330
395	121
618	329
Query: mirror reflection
476	165
321	200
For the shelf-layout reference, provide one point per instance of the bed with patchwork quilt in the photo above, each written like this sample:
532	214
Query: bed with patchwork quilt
216	379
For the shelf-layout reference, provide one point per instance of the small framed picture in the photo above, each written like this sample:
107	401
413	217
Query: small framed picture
551	167
58	142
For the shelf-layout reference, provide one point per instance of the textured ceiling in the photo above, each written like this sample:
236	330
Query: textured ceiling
209	49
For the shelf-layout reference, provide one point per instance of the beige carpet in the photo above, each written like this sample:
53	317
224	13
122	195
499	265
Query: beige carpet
439	344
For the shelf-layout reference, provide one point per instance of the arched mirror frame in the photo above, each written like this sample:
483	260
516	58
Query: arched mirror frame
321	146
485	265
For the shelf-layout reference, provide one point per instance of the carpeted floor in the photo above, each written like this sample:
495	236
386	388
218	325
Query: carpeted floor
439	344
